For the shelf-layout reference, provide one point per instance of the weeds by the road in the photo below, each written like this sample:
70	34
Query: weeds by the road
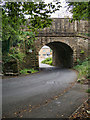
83	74
27	71
83	77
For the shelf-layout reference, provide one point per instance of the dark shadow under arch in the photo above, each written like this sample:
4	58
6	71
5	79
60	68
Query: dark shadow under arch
62	54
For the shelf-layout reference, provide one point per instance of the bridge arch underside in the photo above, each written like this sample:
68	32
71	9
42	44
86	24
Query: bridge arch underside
62	55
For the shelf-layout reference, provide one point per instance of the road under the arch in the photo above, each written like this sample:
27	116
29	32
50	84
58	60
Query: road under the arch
48	94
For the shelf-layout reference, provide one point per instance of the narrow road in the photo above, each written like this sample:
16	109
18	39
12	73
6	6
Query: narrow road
47	94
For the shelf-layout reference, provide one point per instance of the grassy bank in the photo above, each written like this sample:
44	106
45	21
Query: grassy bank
47	61
83	69
28	71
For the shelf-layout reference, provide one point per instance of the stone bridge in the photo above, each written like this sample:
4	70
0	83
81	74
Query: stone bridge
66	40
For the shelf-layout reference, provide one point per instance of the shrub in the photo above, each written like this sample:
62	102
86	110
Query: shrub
47	61
83	69
25	71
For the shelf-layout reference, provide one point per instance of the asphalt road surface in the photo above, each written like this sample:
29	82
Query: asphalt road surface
48	94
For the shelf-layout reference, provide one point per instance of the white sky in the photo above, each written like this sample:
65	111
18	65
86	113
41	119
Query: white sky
45	46
63	10
62	13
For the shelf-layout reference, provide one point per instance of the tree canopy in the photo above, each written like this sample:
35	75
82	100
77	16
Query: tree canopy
14	20
14	17
80	10
14	14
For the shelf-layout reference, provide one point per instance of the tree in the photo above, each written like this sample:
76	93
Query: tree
80	10
14	15
14	20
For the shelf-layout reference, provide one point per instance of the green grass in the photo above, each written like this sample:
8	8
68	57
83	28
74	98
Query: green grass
25	71
82	69
47	61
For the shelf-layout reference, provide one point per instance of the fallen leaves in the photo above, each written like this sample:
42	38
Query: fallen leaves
82	112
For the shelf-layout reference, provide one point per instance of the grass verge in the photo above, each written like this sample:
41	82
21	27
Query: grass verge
83	68
28	71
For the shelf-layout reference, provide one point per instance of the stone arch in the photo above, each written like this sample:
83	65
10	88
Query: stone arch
72	43
45	40
62	54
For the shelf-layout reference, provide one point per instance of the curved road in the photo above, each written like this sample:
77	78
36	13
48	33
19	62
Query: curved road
24	94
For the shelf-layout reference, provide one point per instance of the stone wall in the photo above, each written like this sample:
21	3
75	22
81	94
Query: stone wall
76	44
63	27
73	42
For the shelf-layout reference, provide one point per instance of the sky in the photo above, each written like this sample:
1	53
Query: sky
62	13
63	10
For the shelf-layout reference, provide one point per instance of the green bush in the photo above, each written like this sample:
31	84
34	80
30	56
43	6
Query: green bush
47	61
82	51
14	54
25	71
82	69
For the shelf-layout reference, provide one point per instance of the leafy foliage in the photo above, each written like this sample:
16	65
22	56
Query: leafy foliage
47	61
14	54
15	13
25	71
14	19
80	10
82	51
86	34
83	69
